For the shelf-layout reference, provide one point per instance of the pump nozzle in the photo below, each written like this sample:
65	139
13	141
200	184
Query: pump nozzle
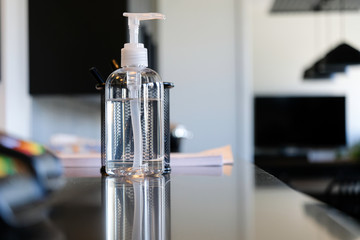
134	53
134	23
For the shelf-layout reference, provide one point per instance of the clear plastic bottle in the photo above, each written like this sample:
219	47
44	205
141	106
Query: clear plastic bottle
134	111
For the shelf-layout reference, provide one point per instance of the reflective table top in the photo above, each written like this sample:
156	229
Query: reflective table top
240	202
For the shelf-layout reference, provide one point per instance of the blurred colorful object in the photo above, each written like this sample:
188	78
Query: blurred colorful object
28	173
11	166
7	166
25	147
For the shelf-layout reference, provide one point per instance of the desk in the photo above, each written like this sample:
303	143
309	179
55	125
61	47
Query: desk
198	204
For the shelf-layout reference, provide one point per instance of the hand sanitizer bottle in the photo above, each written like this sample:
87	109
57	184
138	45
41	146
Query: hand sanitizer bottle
134	111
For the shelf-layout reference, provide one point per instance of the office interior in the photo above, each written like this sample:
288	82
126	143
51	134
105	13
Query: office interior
233	64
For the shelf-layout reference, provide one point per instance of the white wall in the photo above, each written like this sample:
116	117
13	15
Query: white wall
284	45
74	115
243	79
198	53
15	102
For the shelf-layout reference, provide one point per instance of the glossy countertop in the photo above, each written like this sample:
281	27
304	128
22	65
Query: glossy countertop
239	202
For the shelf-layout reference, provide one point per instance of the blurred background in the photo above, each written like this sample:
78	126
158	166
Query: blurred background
224	57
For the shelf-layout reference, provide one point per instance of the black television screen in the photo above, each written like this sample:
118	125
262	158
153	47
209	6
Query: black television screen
298	121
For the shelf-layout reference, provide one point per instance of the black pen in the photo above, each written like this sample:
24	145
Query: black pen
96	74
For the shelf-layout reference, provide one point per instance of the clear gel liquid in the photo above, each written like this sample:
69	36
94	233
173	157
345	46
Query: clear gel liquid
120	137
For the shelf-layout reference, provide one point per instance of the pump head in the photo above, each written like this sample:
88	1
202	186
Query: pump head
134	53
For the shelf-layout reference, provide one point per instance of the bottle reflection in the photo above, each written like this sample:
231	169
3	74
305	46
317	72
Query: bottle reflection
138	208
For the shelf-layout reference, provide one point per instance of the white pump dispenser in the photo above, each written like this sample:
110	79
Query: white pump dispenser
134	53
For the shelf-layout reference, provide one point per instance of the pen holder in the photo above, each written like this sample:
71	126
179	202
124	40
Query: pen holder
167	135
167	132
101	88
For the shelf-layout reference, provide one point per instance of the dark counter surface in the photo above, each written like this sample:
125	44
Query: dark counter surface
240	202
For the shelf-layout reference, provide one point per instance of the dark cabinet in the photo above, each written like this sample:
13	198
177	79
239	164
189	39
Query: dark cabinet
67	37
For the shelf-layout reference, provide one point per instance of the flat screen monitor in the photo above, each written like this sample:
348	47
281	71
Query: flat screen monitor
299	121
